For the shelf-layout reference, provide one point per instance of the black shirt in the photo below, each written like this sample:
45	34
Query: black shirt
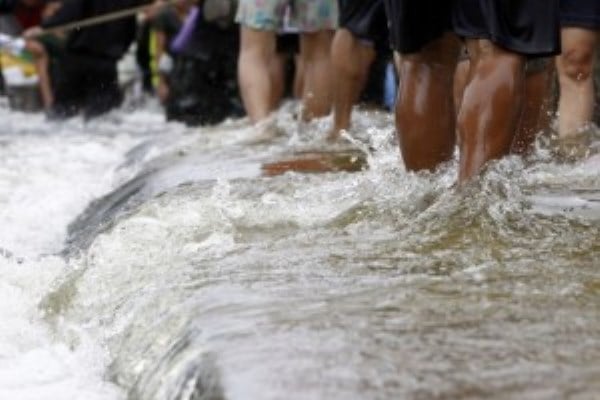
109	40
7	6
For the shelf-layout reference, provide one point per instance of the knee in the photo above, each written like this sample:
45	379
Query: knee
423	72
342	46
501	61
409	68
499	74
257	46
346	57
437	60
254	54
489	59
316	46
577	64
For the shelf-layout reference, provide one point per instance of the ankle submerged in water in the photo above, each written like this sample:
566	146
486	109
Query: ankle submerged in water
573	148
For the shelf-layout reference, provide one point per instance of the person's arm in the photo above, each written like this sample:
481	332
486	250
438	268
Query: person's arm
160	26
75	10
162	90
51	8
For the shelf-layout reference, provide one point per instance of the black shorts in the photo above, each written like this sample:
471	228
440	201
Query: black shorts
527	27
366	19
580	14
85	83
415	23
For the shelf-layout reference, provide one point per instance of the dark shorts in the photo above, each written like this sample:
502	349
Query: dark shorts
580	14
366	19
85	84
527	27
415	23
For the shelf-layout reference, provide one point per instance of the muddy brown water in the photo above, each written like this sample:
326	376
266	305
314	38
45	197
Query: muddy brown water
198	277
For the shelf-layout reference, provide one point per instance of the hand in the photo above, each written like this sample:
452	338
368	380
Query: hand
154	9
33	32
50	9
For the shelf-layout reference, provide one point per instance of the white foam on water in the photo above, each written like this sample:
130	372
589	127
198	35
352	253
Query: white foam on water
48	174
179	256
33	365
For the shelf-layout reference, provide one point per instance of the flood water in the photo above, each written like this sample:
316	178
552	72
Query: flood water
146	260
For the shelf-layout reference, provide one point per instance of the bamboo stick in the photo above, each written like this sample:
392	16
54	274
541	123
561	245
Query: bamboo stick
16	44
101	19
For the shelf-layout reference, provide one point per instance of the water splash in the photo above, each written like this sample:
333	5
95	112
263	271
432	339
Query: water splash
377	284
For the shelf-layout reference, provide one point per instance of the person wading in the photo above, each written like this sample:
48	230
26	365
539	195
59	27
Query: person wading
500	36
580	21
363	32
260	21
86	77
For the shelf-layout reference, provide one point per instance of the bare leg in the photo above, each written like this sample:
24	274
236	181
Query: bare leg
315	52
299	77
491	105
351	61
575	72
254	72
535	115
425	114
461	79
278	79
42	65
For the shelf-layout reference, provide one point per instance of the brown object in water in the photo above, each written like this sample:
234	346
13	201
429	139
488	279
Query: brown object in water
318	162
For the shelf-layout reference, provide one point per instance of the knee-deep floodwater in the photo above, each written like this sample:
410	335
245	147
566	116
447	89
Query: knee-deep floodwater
145	260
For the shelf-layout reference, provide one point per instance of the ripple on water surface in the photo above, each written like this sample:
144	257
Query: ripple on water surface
378	284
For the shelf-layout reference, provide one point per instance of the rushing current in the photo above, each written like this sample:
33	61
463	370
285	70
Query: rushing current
144	260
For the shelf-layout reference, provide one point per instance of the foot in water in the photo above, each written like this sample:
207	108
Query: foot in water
264	131
577	147
336	135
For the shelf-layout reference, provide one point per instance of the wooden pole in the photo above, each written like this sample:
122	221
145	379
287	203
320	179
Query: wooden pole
101	19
